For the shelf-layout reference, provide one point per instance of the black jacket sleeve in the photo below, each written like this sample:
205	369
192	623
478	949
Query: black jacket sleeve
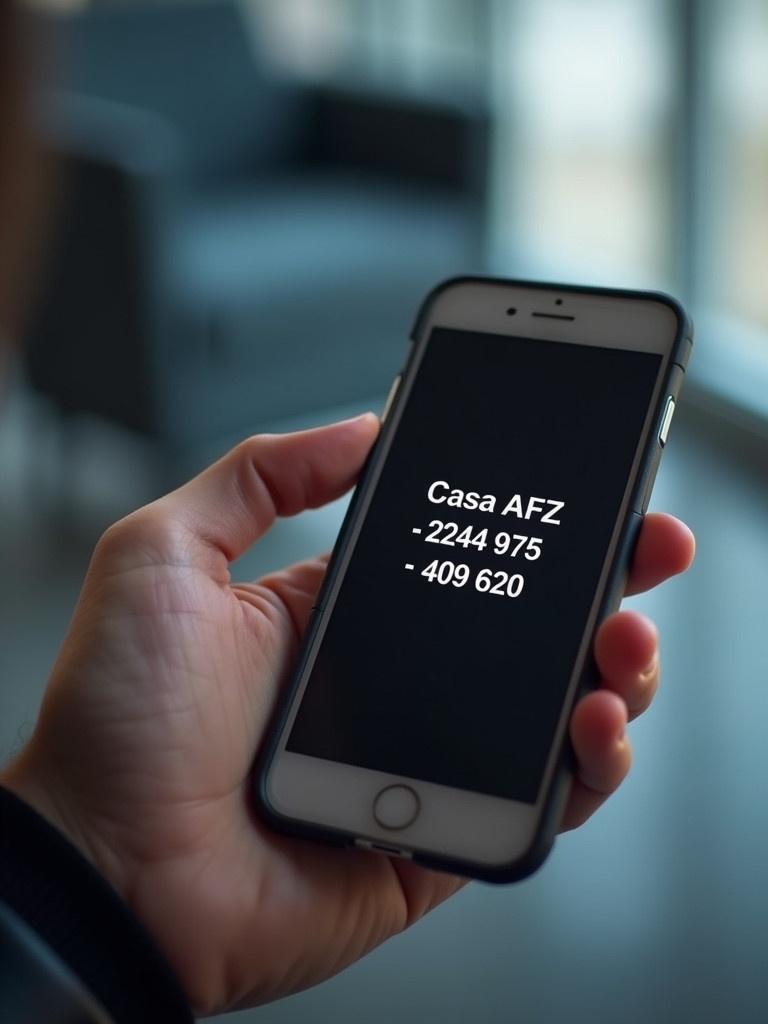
70	950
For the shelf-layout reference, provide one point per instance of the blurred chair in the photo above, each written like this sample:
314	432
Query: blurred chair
232	247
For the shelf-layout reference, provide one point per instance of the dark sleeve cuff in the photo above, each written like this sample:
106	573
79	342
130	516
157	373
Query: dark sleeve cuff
71	908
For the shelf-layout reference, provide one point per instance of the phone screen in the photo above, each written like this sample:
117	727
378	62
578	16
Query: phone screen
458	622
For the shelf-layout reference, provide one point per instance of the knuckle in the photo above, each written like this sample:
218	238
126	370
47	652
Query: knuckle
250	447
147	530
248	458
114	538
261	486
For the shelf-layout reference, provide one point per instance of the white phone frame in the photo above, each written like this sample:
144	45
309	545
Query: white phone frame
453	823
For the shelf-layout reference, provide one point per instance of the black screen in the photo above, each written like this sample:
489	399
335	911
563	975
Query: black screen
449	650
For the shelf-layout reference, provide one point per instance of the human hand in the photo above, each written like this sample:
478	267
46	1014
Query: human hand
160	697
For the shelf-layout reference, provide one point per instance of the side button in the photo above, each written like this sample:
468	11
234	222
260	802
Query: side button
669	412
391	396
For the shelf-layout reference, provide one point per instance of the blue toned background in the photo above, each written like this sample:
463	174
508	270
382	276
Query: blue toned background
250	200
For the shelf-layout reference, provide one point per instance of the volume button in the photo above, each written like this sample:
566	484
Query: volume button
391	396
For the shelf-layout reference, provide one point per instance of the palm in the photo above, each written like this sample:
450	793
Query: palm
187	674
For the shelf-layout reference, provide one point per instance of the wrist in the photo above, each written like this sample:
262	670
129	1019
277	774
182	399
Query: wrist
42	789
71	911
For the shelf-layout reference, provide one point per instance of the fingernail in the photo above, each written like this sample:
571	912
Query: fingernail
650	669
353	420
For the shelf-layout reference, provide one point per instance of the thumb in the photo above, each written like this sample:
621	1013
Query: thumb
236	500
219	514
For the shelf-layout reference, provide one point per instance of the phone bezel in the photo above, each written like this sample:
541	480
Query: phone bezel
459	827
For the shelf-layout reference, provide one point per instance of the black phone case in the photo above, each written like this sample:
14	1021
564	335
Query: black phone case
557	792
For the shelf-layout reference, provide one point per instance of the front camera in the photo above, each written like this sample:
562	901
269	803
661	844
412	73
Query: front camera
511	311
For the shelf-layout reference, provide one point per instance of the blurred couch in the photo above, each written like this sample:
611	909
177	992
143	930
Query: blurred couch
232	247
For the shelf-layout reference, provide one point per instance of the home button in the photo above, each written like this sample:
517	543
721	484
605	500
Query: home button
396	807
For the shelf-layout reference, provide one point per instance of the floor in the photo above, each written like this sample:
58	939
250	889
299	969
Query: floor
657	909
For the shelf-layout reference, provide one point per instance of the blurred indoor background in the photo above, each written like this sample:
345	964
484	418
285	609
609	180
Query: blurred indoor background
249	201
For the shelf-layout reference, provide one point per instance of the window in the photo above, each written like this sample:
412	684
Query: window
630	139
734	175
584	99
729	253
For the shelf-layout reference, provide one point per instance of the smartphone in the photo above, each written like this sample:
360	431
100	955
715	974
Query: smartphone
489	535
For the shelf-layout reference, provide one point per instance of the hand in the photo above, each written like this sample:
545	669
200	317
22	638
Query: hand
160	697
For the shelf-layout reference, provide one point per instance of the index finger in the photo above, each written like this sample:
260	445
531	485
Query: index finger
664	548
